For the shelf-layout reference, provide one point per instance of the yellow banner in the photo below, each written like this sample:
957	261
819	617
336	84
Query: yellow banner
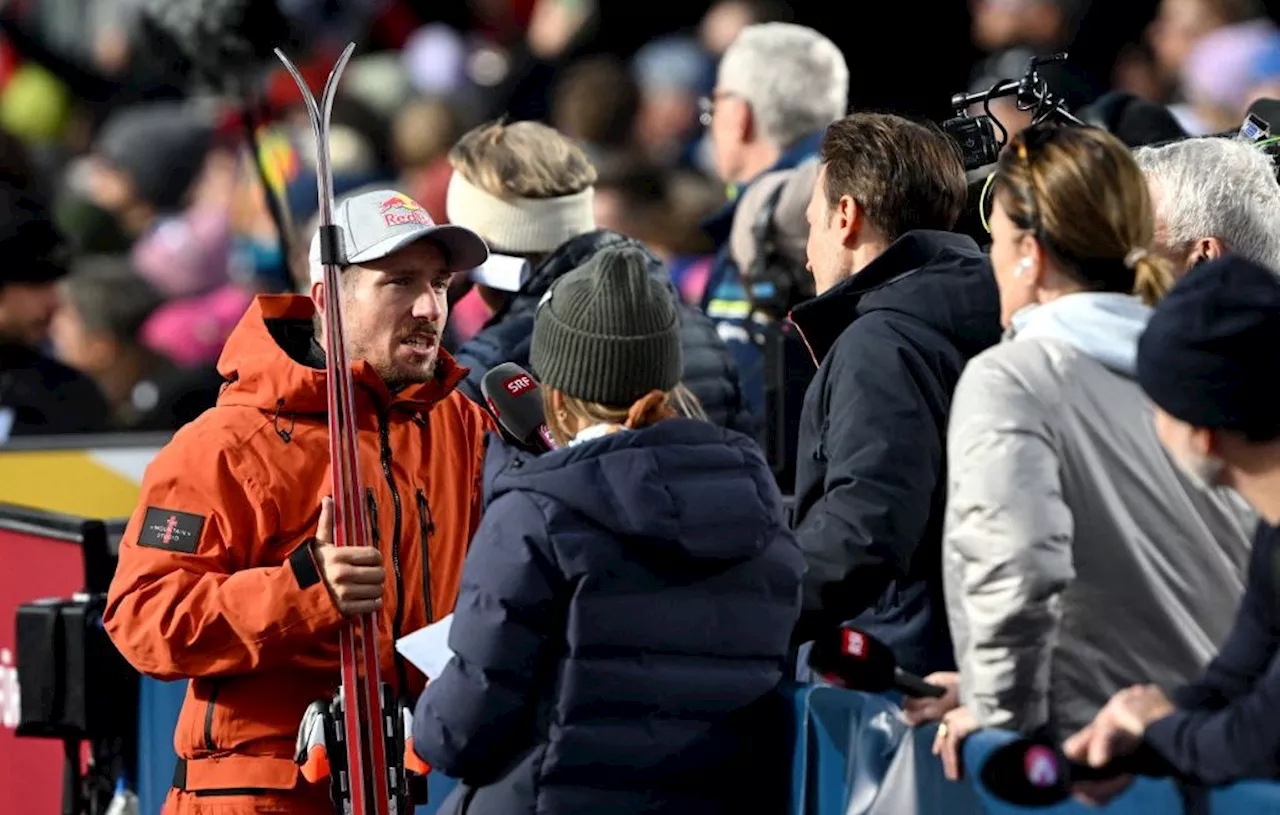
98	483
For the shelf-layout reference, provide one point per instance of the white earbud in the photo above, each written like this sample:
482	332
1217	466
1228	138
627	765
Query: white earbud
1023	266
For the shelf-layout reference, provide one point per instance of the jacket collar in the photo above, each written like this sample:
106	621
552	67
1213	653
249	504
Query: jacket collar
266	358
823	319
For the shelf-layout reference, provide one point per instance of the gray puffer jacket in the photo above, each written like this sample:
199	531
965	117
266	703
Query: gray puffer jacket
1079	558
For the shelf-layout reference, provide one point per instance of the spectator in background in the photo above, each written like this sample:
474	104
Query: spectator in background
596	102
1078	557
902	306
1132	119
1011	32
768	243
1219	73
1180	24
673	73
422	134
638	586
97	330
527	190
38	396
644	201
1213	196
1208	360
146	160
1044	26
726	19
777	87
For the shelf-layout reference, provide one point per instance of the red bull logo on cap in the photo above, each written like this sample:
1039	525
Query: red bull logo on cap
401	209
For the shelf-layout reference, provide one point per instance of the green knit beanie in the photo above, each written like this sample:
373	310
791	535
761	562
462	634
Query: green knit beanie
607	332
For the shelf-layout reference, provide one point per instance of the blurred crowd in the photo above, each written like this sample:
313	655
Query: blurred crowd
140	195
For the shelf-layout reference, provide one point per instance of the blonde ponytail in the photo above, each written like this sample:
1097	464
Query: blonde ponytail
1152	275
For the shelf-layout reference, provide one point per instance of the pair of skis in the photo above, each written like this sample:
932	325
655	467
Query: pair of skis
364	724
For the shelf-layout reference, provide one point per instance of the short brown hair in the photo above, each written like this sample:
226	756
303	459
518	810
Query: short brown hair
522	160
1081	193
904	175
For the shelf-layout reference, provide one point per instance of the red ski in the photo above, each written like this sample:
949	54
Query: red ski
362	726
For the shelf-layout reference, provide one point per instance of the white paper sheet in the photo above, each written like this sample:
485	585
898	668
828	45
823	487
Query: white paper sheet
428	648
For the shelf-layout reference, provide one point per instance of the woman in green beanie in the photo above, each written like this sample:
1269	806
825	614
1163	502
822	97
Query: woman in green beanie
627	602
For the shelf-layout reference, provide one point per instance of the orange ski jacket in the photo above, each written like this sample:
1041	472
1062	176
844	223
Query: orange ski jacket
216	582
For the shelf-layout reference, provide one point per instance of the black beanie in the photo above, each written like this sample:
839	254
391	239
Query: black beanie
160	146
1211	352
608	332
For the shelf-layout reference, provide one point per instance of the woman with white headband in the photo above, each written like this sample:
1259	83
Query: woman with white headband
529	191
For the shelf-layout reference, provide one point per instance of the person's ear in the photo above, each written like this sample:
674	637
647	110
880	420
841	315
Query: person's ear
741	117
317	296
558	407
1030	261
848	219
1205	442
1204	250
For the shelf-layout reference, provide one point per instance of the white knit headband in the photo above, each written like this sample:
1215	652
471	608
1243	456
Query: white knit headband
519	225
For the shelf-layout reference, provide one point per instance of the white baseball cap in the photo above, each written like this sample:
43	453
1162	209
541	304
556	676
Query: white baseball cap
379	223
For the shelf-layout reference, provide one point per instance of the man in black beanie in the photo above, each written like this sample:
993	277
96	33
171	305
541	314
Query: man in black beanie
1209	360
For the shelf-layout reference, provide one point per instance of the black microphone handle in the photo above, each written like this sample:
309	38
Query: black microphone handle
914	686
1144	762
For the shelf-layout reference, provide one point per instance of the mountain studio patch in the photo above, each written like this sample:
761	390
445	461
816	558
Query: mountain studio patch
170	529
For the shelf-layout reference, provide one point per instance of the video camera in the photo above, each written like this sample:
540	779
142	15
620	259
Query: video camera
976	135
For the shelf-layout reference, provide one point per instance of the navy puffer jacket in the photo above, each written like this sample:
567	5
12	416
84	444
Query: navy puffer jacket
622	625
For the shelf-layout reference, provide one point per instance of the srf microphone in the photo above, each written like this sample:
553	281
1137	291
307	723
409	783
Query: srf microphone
855	660
514	399
1031	773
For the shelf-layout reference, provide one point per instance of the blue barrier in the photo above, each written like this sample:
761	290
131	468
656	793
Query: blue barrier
853	755
1245	797
1146	796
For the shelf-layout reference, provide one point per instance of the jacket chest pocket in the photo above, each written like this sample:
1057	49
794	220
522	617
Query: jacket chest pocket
426	531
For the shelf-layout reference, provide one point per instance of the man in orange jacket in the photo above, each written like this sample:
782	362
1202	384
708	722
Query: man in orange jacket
228	576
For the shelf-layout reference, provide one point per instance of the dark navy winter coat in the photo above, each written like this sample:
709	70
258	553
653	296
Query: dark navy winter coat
710	372
1227	728
622	625
871	485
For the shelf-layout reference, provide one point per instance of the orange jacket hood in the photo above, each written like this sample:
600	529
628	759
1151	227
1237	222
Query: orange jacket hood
261	373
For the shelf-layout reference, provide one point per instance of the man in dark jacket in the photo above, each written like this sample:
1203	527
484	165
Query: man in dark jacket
527	190
38	395
902	305
1208	360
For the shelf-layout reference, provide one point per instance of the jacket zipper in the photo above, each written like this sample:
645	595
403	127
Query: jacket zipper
373	517
427	528
384	434
208	715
